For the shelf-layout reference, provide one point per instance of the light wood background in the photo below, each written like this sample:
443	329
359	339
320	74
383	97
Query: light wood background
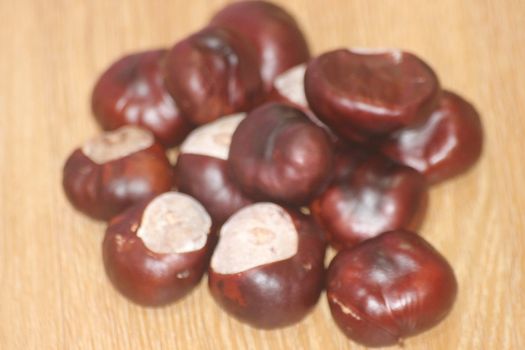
53	291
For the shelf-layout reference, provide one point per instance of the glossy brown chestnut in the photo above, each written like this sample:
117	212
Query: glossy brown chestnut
131	91
115	170
274	32
277	154
363	93
213	73
445	145
157	251
202	171
388	288
268	267
370	195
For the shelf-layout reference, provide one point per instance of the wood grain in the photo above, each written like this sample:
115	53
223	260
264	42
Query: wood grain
54	294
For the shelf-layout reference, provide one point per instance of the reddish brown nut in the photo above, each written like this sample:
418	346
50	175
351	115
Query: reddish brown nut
115	170
370	195
157	251
388	288
202	171
213	73
267	269
275	34
445	145
363	93
277	154
131	91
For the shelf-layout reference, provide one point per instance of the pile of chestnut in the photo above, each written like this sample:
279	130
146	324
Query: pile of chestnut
280	154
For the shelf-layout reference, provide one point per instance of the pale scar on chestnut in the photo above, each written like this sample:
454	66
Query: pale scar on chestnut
256	235
117	144
174	223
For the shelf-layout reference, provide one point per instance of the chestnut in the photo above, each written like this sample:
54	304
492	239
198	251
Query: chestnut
202	170
390	287
213	73
362	93
131	91
279	41
115	170
370	195
268	267
277	154
445	145
157	251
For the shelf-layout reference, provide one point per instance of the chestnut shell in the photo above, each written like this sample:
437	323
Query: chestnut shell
102	191
277	294
279	41
131	91
278	154
361	96
208	180
146	277
211	74
388	288
445	145
369	195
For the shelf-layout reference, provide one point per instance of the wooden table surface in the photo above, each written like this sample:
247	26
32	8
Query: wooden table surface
54	293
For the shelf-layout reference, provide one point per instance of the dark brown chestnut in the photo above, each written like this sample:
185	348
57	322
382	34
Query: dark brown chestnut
445	145
370	195
362	94
393	286
213	73
277	154
115	170
268	267
131	91
202	171
157	251
273	31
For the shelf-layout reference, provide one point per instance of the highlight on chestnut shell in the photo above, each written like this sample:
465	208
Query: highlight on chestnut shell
211	74
115	170
202	171
278	154
363	93
156	252
131	92
275	34
388	288
446	145
268	267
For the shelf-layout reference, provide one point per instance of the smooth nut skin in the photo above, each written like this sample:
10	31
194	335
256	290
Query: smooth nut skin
275	34
445	145
131	91
369	195
277	154
145	277
102	191
277	294
213	73
208	180
388	288
361	96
